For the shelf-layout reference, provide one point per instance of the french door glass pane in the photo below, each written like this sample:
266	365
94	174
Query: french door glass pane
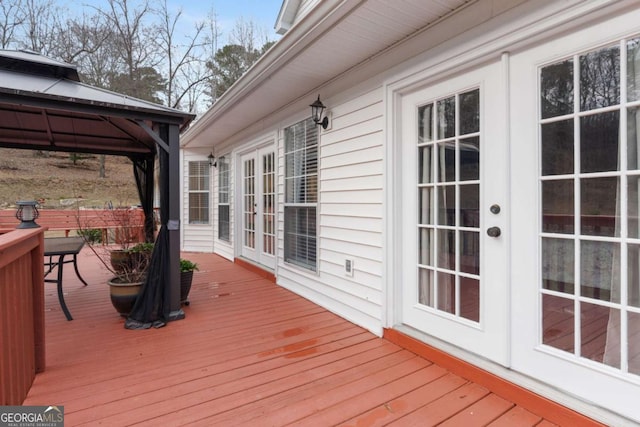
447	118
426	287
470	299
558	322
425	246
447	205
447	292
600	270
600	78
424	164
447	161
425	123
469	248
447	249
470	159
558	265
557	148
425	205
556	89
470	205
558	206
633	69
633	275
594	322
599	137
633	136
470	112
633	340
600	206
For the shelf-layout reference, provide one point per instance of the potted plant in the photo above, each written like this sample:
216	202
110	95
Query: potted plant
186	277
128	261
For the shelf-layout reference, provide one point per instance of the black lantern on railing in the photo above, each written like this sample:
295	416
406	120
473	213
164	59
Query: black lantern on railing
27	214
316	113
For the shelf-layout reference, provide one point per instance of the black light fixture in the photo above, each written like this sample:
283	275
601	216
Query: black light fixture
316	113
27	214
212	160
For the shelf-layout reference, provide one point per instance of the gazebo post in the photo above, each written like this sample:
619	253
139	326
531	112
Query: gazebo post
174	220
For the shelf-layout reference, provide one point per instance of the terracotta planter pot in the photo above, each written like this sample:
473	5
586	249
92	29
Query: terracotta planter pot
123	295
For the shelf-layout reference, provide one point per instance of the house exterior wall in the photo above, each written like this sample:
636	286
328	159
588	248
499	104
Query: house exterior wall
194	237
350	211
360	203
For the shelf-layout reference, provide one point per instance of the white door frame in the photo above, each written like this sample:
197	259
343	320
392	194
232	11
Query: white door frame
489	337
258	255
607	387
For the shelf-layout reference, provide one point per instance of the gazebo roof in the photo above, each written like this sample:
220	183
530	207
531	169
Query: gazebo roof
44	106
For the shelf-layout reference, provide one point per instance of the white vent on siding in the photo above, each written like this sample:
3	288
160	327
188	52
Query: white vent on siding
348	267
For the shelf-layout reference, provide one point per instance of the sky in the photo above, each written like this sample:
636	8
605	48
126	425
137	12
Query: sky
262	12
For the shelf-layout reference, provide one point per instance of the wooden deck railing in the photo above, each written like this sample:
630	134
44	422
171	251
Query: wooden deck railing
115	225
22	351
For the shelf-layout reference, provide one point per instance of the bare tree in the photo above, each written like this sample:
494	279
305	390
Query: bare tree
41	26
133	43
11	18
182	64
211	47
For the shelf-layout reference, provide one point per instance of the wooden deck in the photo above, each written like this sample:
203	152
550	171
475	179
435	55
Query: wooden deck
248	353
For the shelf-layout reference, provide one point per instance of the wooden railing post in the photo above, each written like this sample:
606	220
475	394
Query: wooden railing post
22	347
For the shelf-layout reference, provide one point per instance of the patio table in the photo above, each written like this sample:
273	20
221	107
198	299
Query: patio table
56	249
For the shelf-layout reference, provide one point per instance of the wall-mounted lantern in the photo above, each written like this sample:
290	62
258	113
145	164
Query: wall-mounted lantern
212	160
316	113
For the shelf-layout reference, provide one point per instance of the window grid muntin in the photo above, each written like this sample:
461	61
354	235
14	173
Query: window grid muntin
435	184
624	241
198	192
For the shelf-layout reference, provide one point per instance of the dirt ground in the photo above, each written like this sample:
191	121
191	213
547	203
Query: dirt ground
56	182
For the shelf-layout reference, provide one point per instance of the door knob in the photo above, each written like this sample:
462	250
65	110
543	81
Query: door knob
494	232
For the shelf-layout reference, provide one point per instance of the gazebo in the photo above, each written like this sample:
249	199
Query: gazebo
44	106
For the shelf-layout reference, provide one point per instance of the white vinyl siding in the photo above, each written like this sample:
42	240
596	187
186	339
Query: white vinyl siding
350	214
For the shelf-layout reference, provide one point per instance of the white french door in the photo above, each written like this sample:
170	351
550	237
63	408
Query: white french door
576	238
454	225
258	184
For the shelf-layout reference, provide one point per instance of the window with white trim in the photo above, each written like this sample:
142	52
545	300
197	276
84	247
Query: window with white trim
223	199
199	192
301	194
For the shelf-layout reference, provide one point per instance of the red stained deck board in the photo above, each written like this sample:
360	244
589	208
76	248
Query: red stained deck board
516	417
441	409
296	409
480	413
213	382
379	396
248	353
395	409
275	397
